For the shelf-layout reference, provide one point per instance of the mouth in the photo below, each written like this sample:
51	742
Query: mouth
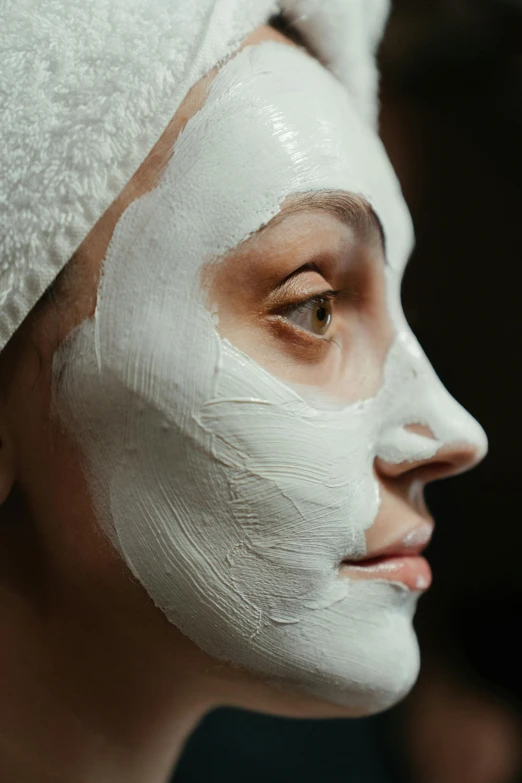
399	561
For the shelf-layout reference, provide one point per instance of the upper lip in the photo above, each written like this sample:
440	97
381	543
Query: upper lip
413	542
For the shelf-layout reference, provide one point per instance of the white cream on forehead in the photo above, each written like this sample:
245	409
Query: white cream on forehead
230	496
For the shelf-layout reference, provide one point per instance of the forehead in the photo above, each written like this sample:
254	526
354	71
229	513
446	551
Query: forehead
276	123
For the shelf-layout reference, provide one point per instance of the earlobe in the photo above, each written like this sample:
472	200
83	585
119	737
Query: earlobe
7	471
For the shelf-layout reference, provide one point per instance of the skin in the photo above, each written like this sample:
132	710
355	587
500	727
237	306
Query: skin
96	684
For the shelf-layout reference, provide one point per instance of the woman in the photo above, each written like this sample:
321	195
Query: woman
217	427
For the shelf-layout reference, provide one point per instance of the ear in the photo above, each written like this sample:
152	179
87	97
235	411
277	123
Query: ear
7	467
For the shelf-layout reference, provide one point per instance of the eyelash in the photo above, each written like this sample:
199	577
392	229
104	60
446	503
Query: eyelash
317	299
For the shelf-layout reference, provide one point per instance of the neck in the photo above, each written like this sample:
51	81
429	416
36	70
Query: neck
85	695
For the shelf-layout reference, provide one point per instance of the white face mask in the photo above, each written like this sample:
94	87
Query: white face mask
231	496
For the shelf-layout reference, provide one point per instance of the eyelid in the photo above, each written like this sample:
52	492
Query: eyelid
310	266
314	299
288	286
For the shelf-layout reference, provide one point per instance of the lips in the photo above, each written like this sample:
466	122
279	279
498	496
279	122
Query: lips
398	560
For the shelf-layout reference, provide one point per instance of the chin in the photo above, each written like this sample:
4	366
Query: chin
347	700
362	691
349	661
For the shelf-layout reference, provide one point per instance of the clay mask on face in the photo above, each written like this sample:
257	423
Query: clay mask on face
231	496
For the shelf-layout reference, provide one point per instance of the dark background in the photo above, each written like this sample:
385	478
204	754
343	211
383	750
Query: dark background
451	120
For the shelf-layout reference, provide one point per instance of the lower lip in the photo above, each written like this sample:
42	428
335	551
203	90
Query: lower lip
411	570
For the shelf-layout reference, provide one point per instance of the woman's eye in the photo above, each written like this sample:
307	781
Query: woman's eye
314	315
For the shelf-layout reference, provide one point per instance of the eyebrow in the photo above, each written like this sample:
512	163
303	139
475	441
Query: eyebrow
353	210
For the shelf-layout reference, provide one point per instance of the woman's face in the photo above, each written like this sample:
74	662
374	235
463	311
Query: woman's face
252	408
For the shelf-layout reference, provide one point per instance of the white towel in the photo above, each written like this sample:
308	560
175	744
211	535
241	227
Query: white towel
88	86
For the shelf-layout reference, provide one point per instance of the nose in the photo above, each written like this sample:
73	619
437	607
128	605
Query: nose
448	459
425	432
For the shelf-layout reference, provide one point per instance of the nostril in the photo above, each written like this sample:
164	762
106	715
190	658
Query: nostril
419	471
432	470
450	460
